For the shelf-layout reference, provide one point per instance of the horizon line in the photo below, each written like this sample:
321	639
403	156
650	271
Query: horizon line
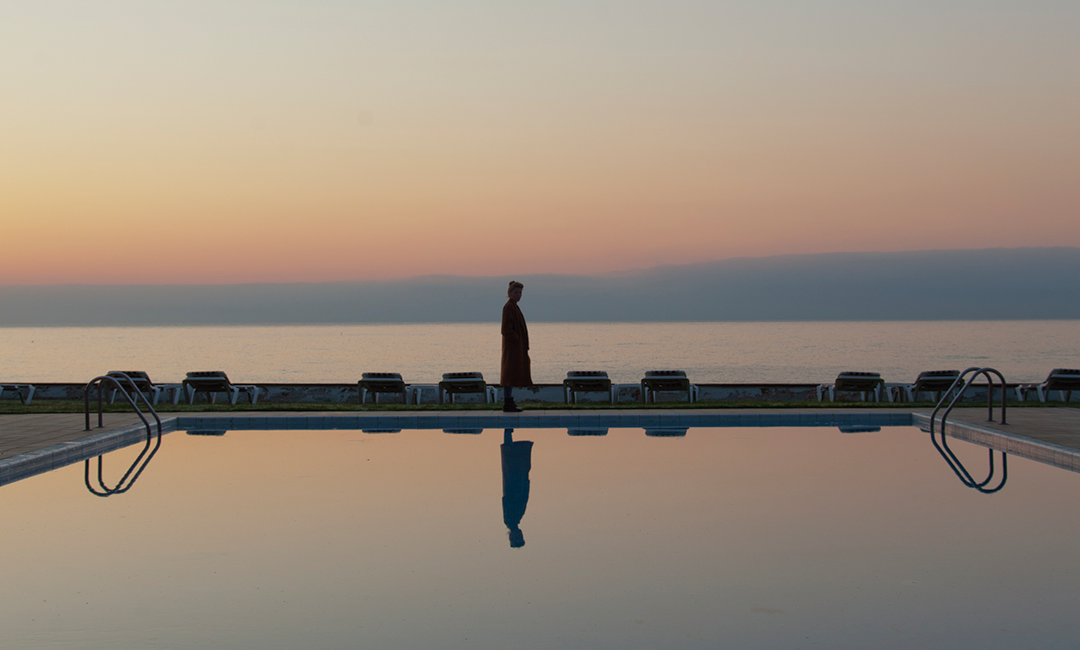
619	273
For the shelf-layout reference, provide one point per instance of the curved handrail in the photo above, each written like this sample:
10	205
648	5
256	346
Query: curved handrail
140	462
950	458
960	393
123	391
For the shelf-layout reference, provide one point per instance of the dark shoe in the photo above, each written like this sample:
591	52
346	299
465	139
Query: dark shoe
510	407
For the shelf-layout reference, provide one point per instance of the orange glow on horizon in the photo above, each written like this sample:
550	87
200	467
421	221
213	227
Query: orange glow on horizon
465	152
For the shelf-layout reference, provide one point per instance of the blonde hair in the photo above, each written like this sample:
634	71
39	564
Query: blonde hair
514	284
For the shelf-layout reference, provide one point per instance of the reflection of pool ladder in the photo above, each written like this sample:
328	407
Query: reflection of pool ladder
143	459
954	463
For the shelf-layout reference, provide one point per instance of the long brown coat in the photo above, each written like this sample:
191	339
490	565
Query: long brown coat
516	366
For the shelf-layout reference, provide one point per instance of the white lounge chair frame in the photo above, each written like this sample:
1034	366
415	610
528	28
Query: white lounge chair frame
192	380
846	379
664	378
459	378
594	377
141	377
25	392
1063	380
943	378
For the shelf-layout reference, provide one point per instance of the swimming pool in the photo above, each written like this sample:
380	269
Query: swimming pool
708	537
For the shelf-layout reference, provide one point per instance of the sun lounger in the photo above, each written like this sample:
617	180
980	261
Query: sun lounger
586	381
142	384
463	383
25	392
934	382
667	381
1063	380
858	382
213	382
378	383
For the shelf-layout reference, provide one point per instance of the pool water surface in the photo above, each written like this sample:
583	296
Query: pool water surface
759	538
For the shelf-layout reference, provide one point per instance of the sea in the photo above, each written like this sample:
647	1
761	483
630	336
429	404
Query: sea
709	352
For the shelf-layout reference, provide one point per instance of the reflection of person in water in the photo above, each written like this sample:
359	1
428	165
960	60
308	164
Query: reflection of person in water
516	463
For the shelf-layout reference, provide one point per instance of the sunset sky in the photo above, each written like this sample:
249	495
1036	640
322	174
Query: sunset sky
280	141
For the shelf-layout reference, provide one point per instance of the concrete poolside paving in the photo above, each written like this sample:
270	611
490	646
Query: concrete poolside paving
26	435
1059	426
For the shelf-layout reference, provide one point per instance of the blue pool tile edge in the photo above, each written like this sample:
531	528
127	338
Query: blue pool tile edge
539	420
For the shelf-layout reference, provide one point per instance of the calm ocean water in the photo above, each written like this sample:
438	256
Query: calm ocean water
708	352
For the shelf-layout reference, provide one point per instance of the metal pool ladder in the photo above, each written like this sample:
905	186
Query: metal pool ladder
954	463
118	379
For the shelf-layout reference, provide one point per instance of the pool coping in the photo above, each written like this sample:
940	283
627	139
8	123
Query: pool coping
643	418
62	454
1039	451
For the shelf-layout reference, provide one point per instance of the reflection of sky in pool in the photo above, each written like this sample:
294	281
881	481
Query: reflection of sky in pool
716	538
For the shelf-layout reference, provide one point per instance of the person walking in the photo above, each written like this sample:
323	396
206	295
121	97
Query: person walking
516	365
